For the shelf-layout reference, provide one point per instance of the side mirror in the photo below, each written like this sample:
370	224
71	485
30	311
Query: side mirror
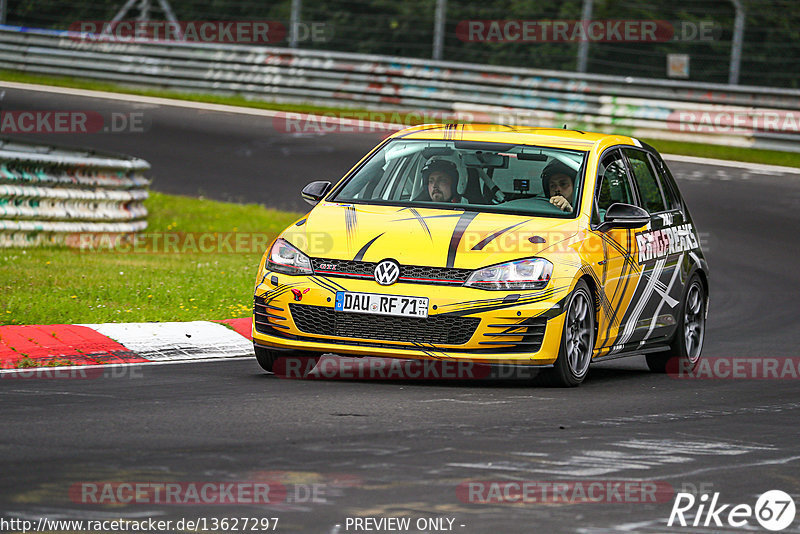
313	192
621	215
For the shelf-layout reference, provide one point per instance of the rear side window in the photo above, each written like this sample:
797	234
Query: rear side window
667	184
646	181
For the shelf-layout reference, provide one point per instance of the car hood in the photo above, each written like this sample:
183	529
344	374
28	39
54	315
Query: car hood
424	236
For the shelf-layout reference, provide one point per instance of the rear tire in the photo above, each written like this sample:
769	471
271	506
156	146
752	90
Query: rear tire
267	357
687	342
577	341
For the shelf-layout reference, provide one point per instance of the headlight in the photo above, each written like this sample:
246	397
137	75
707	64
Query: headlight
533	273
285	258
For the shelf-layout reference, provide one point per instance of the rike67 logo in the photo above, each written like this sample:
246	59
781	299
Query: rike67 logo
774	510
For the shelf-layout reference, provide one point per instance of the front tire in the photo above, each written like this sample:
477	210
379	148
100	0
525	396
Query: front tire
687	342
577	340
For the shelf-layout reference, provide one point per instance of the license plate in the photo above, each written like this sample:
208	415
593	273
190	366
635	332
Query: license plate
348	301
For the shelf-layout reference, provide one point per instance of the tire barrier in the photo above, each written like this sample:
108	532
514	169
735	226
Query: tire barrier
49	194
754	117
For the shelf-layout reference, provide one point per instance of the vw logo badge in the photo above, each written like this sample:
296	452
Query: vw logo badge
387	272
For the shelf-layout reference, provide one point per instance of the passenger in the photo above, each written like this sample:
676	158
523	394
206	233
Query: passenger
558	183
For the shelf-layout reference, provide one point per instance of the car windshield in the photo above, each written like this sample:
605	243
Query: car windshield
540	181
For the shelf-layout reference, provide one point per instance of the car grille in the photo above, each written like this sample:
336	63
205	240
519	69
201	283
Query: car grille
413	274
440	330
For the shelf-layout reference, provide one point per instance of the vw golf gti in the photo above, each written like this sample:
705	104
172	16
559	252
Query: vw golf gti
490	244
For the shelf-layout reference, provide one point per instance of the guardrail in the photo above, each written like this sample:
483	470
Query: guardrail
49	195
712	113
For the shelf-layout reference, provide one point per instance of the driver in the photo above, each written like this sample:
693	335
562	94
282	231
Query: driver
441	177
558	183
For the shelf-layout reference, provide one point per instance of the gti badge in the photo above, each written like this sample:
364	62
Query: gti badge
387	272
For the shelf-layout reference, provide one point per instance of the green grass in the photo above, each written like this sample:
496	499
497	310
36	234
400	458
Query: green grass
772	157
53	285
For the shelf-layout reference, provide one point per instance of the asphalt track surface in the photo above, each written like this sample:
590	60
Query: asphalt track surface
401	448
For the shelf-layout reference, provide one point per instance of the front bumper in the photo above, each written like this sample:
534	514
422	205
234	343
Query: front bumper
496	327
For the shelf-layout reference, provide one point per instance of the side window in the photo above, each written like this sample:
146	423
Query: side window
666	184
645	178
612	185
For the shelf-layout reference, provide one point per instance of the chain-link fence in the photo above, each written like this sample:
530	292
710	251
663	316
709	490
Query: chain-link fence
685	39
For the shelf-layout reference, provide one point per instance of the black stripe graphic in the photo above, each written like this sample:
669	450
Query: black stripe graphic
323	285
421	220
468	310
360	253
423	217
332	282
458	233
350	222
486	240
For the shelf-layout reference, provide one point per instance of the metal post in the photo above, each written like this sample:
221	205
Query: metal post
583	46
144	11
118	17
738	41
294	20
438	28
2	11
167	9
144	15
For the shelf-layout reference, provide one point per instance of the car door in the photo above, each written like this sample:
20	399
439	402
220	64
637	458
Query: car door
653	312
617	272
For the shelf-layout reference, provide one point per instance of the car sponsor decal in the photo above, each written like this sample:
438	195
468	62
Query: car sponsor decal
654	244
665	298
652	276
458	233
360	254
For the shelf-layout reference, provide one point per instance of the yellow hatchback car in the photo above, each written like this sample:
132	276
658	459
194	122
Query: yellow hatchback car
491	244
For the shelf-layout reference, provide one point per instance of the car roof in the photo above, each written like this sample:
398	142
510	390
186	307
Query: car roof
522	135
